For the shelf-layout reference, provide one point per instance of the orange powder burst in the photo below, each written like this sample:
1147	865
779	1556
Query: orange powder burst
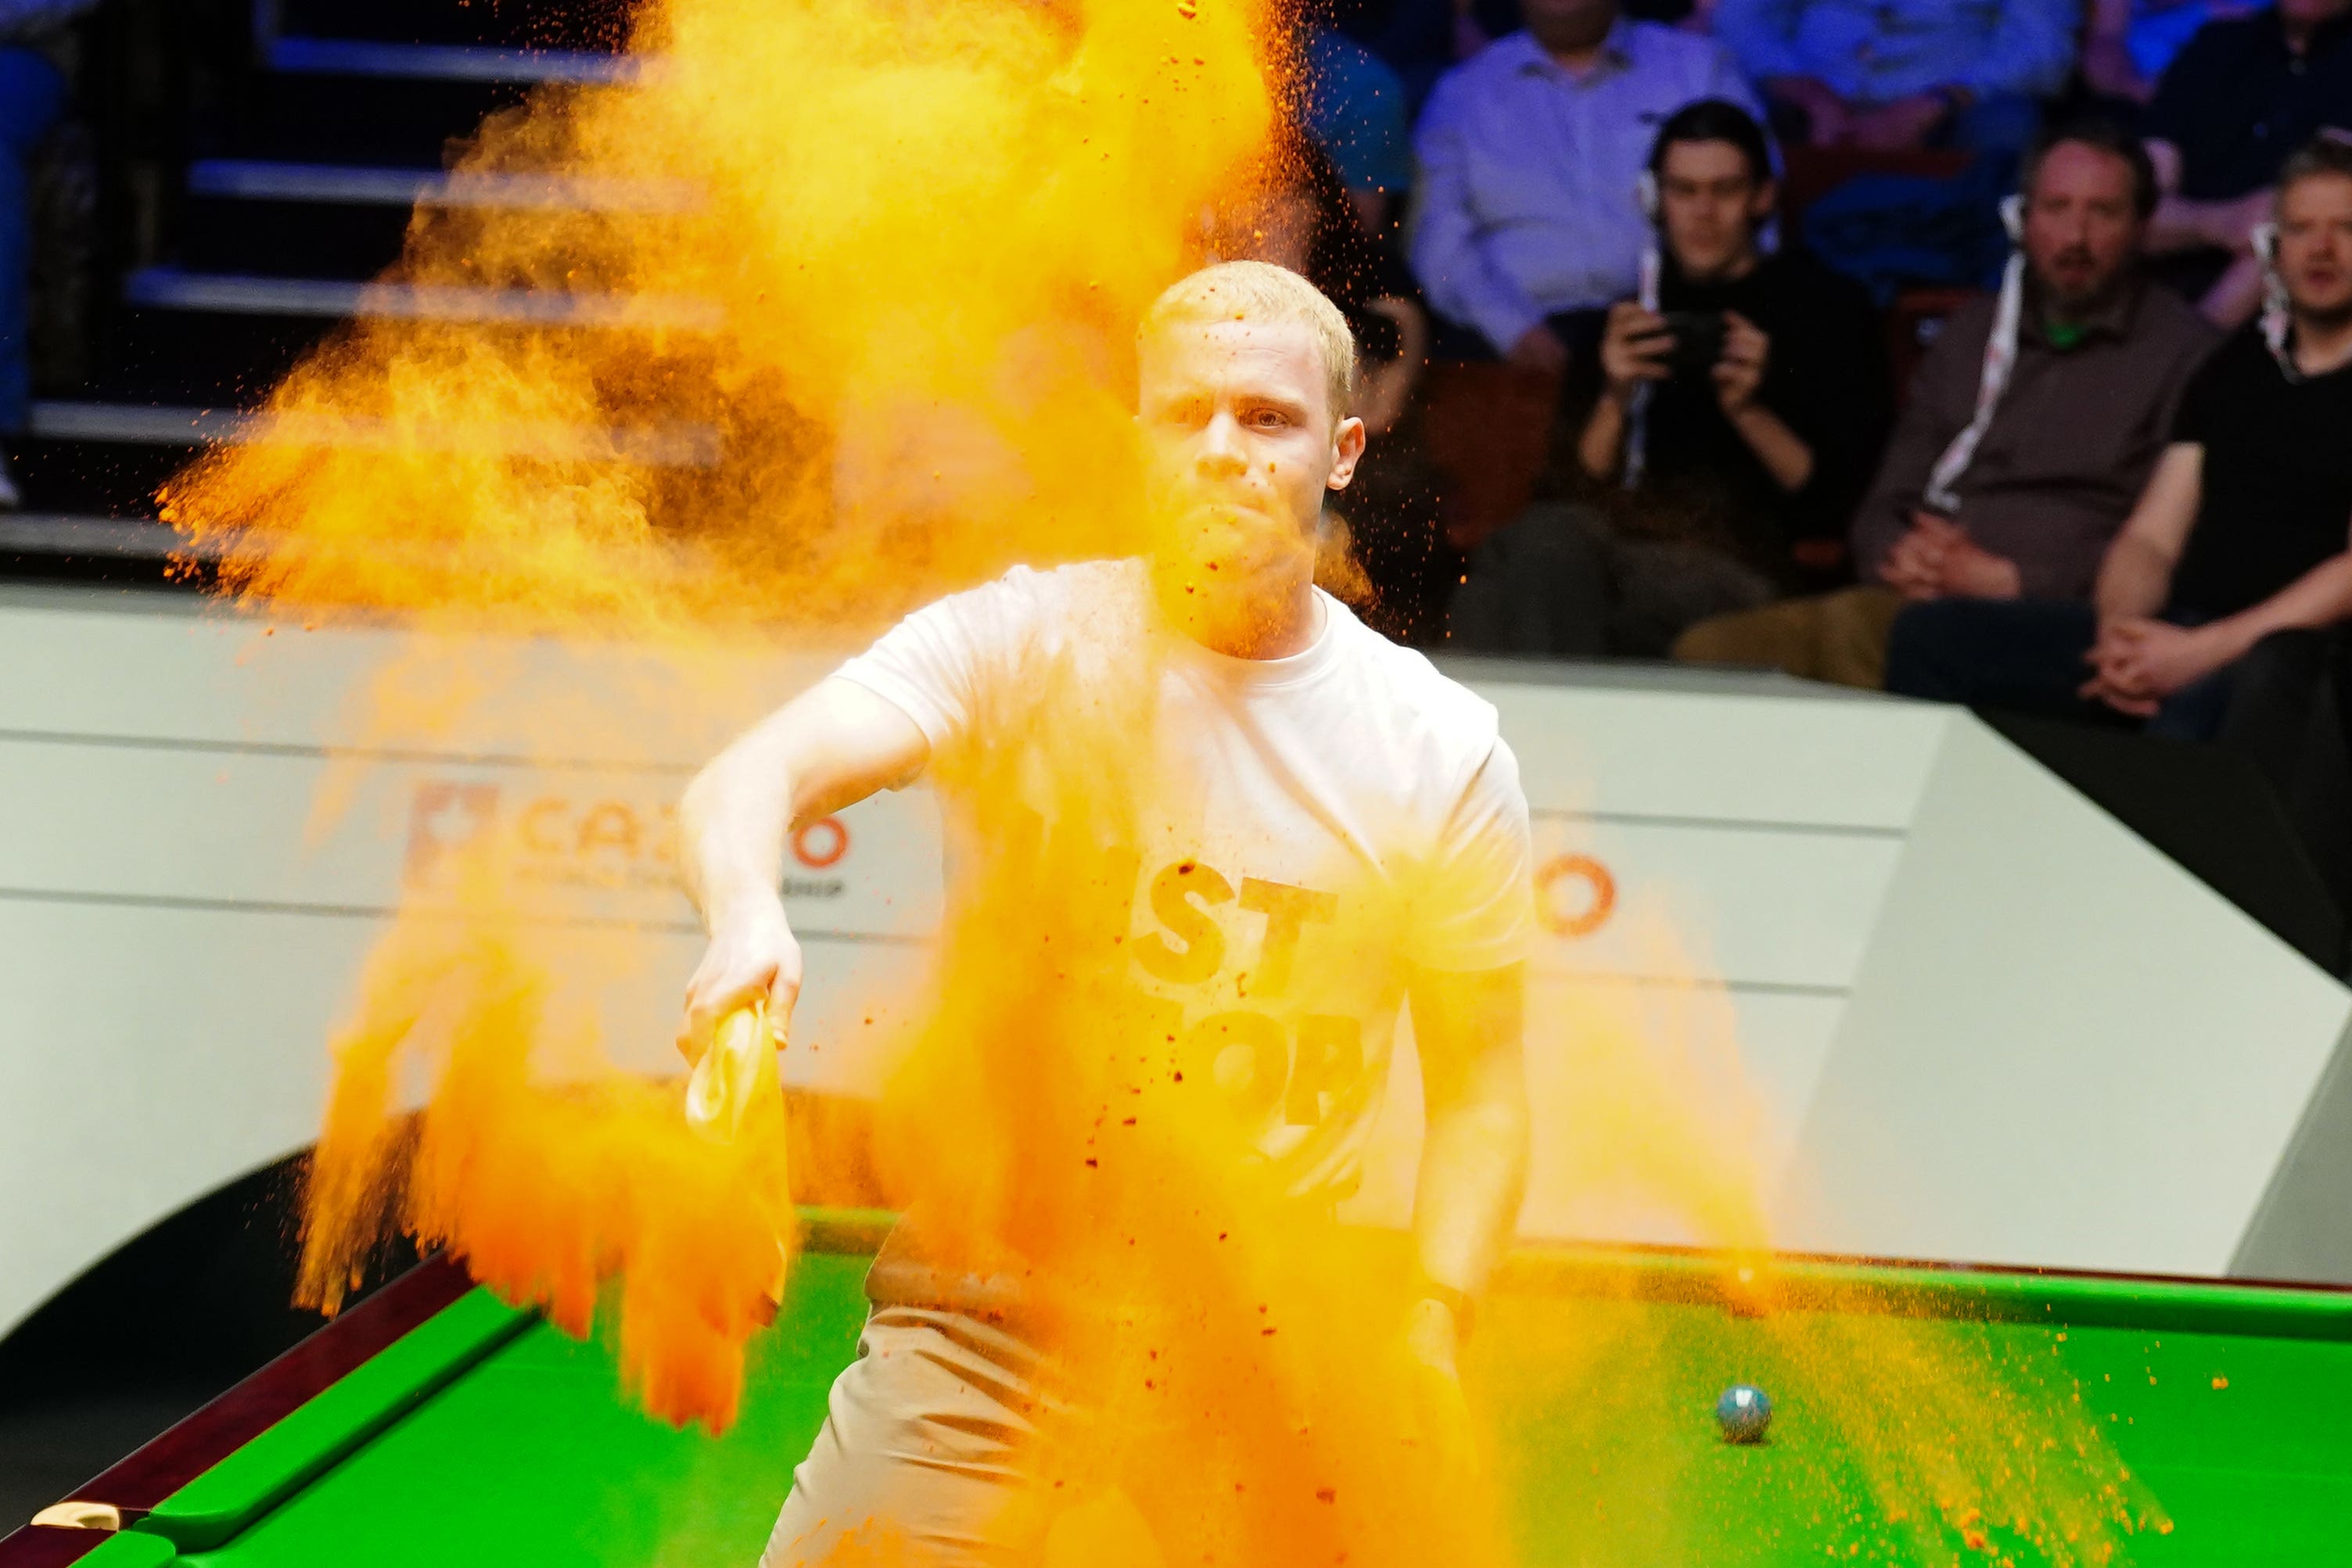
861	334
875	338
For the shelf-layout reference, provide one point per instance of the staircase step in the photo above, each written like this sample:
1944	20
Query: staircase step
448	62
95	479
234	294
513	23
660	446
67	533
337	221
358	185
109	458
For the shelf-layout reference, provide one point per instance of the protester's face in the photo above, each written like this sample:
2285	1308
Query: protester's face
1567	24
1241	445
1710	204
2314	244
2081	229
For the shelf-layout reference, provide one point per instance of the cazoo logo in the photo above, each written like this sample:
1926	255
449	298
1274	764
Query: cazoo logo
583	839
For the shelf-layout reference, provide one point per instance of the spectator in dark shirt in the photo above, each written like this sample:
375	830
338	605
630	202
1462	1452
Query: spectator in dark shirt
2240	547
2032	424
2233	104
1904	73
1706	461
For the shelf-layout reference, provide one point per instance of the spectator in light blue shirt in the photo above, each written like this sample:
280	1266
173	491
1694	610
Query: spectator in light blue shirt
1531	156
1892	74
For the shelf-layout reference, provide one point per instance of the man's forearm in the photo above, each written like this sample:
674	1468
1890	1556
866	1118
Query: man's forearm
1600	446
1783	453
2133	580
2179	223
1473	1172
731	826
2320	596
826	749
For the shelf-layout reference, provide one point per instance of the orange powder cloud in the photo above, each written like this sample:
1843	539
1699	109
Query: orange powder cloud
861	334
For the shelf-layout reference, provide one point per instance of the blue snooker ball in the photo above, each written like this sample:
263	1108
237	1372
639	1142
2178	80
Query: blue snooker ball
1743	1413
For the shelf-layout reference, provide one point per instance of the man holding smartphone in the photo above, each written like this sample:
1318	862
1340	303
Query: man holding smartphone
1720	441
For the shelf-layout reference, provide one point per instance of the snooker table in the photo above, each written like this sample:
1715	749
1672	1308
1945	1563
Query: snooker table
433	1423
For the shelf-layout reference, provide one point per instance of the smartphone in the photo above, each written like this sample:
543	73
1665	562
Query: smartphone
1698	342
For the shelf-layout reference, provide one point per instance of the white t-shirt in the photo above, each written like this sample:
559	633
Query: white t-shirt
1302	829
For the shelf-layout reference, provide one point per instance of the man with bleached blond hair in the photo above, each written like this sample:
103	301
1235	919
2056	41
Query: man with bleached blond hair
1295	761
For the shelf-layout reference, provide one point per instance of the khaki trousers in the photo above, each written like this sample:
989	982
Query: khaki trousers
1836	637
924	1451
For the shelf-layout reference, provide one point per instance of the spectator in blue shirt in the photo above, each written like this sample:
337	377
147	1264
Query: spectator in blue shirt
1353	106
1892	74
1531	154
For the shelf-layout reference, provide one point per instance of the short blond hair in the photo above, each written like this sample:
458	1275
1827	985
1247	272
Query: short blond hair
1261	291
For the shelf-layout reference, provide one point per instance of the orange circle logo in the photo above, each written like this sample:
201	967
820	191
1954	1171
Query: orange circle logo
1600	895
820	843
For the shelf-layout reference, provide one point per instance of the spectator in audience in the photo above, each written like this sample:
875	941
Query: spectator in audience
1708	461
2241	545
2241	96
2131	42
32	94
2032	425
1904	73
1353	106
1527	224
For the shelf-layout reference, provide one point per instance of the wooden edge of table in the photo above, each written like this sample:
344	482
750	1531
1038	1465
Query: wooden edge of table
136	1484
327	1429
158	1468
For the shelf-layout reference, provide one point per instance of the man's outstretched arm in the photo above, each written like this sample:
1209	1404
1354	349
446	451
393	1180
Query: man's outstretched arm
1468	1029
826	749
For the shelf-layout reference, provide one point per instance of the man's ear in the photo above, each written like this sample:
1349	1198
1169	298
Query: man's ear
1346	450
1761	206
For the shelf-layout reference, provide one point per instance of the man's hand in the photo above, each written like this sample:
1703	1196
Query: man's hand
1971	572
1739	374
1539	349
1634	348
752	955
1938	560
2139	662
1899	123
1914	567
